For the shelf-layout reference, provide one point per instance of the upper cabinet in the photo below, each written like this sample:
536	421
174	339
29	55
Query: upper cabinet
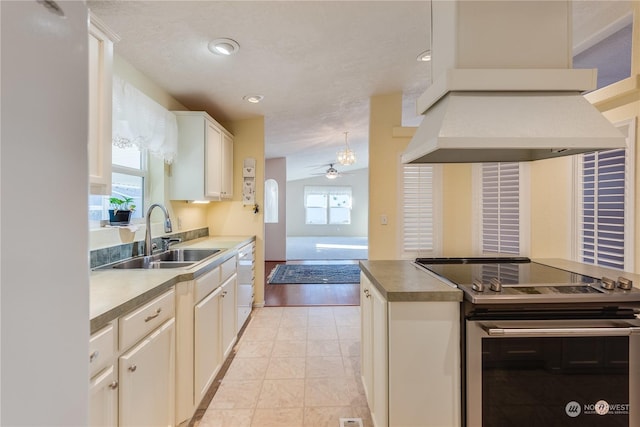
203	168
101	41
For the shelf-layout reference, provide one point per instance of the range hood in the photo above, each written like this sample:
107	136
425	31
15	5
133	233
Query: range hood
504	89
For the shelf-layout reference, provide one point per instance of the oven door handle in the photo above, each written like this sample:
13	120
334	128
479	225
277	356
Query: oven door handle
560	332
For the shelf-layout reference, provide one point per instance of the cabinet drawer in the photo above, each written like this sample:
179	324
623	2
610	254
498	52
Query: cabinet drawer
140	322
227	269
102	347
245	253
207	283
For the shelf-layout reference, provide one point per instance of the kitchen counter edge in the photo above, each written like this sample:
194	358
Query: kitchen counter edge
404	281
115	293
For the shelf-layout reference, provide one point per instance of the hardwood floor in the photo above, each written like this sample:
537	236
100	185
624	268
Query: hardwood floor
309	295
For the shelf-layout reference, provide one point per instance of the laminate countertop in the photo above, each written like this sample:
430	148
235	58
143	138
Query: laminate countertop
115	292
404	281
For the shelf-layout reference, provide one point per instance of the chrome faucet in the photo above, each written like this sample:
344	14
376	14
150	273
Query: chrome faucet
167	227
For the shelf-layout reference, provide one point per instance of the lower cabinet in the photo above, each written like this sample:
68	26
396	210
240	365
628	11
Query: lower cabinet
228	315
374	351
207	343
133	383
410	360
147	380
246	280
103	398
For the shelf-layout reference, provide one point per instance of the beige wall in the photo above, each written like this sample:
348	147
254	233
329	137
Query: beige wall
231	218
457	210
384	150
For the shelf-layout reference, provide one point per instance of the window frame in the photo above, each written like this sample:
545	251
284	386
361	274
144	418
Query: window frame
144	173
327	191
627	128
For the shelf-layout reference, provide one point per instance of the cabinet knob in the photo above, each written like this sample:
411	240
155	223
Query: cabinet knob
93	356
132	368
366	293
113	385
224	293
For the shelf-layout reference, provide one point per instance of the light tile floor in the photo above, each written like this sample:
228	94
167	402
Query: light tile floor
294	367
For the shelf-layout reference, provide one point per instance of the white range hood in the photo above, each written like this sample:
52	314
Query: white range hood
504	89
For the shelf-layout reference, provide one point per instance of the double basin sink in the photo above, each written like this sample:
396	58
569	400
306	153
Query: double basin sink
172	258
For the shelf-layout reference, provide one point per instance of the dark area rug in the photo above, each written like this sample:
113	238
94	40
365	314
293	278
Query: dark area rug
314	274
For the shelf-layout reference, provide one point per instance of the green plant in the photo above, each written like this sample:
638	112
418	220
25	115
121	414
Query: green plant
122	204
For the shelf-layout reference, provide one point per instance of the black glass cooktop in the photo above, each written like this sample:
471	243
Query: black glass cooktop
509	271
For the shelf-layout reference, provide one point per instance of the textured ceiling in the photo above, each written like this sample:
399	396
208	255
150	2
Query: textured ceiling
317	63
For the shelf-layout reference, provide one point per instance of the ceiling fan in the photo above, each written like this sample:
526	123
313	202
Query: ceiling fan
330	173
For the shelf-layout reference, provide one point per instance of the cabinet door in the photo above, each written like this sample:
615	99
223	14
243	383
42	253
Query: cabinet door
103	398
207	342
213	173
380	360
366	343
147	380
229	318
100	75
227	167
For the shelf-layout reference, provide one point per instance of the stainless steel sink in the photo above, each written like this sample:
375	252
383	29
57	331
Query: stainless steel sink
173	258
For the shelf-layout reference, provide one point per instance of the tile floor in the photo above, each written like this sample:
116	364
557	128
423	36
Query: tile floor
294	367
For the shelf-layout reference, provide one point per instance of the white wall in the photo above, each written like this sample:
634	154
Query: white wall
275	234
358	180
44	286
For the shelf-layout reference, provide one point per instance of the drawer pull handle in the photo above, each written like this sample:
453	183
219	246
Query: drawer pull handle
132	368
153	316
93	356
113	385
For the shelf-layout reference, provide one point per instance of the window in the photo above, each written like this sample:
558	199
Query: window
327	205
605	206
128	178
500	208
418	213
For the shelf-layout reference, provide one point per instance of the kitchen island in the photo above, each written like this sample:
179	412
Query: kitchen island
410	345
411	348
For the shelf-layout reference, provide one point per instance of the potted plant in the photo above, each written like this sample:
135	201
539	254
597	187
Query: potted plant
120	214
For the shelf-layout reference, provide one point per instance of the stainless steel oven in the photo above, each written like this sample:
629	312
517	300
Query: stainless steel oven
545	347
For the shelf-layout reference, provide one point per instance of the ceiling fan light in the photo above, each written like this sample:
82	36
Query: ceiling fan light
331	175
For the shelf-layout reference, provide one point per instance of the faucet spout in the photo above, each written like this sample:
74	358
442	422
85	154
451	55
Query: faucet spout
167	227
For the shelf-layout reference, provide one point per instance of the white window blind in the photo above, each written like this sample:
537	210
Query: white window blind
500	208
417	198
603	180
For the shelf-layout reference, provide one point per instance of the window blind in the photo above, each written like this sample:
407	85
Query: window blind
500	201
417	197
602	214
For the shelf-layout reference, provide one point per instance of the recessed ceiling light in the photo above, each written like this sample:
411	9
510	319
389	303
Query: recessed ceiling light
424	56
254	99
224	46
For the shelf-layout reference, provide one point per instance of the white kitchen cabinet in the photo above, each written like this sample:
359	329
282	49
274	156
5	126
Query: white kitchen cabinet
207	340
228	315
100	81
410	360
103	398
203	168
374	351
246	283
146	395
